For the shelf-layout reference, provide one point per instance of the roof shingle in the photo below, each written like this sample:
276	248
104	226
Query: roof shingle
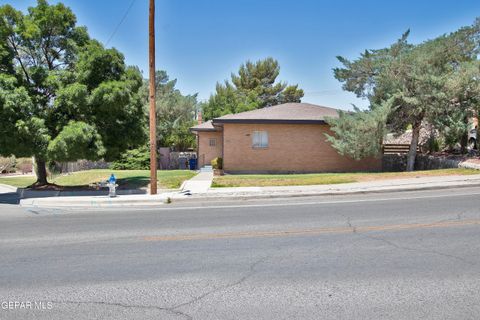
287	112
206	126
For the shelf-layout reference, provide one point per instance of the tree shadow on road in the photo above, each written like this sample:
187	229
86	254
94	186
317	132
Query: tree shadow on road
9	198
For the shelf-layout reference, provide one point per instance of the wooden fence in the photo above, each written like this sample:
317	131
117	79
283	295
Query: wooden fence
397	148
80	165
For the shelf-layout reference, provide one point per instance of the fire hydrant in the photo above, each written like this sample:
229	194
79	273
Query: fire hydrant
112	185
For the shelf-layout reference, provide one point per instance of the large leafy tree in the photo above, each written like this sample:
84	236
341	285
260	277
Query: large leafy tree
254	86
175	114
63	96
411	79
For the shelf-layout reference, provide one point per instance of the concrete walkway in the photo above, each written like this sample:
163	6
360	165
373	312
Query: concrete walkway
201	183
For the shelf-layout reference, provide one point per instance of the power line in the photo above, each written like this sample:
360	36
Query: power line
120	23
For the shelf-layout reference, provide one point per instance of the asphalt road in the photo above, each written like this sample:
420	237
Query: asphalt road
384	256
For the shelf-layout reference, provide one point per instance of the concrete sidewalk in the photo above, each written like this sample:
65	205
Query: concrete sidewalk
356	187
420	183
214	194
199	184
7	189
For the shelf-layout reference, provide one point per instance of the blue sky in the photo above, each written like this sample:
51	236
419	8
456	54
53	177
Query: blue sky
200	42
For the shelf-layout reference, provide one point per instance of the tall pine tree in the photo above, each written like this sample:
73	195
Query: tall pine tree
254	86
411	79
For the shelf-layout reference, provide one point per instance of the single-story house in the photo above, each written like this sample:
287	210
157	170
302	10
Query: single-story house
285	138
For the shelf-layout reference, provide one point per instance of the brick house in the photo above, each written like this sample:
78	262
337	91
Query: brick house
284	138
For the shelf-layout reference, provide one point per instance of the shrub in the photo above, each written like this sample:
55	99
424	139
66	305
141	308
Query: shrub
433	145
25	165
217	163
7	165
136	159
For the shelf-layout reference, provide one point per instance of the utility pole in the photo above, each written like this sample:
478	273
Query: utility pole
153	115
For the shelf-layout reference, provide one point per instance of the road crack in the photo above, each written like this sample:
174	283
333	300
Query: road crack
349	223
227	286
424	250
174	309
458	217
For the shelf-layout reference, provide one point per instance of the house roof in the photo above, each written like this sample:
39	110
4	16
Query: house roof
206	126
282	113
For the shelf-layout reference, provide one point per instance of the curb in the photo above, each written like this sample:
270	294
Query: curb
27	194
164	200
92	203
33	194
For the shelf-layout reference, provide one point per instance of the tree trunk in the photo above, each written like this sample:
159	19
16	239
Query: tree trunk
464	143
41	171
464	137
412	152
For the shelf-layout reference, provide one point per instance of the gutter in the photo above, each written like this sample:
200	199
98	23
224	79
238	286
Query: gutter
267	121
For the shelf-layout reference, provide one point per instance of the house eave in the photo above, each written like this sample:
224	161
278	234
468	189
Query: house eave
203	130
267	121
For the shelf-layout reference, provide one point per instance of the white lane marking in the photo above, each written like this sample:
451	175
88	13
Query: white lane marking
166	208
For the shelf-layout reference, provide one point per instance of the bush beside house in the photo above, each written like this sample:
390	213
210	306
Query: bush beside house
217	165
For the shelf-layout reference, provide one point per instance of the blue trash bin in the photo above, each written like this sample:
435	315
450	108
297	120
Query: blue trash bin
192	163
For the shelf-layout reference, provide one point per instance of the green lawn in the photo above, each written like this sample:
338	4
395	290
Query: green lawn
261	180
126	179
18	181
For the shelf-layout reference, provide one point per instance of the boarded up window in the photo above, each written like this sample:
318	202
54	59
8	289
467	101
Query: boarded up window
260	139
